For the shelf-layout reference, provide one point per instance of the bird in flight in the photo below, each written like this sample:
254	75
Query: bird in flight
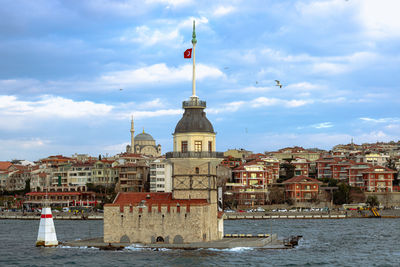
120	89
278	83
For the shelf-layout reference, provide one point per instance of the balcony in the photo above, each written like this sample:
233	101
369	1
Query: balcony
192	154
194	102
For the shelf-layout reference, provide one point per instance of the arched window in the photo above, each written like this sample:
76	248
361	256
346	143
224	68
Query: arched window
197	170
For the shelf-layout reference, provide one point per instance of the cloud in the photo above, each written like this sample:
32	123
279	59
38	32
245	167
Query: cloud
155	103
223	10
257	103
162	32
156	113
16	114
322	125
380	120
148	37
51	106
160	73
174	3
380	18
23	144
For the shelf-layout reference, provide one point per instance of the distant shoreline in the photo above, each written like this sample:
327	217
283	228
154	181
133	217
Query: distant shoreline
228	216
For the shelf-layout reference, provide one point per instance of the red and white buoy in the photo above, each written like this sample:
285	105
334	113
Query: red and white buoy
47	233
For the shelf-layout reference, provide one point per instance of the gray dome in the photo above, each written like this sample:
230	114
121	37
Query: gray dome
194	120
143	137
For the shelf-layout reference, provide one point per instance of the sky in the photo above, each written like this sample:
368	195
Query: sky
72	73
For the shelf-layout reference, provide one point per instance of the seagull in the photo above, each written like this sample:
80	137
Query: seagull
120	89
278	83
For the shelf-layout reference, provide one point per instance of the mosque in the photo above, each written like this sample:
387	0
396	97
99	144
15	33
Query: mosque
143	143
188	214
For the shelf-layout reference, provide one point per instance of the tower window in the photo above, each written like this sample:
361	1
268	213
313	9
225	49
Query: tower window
197	170
210	146
184	146
197	146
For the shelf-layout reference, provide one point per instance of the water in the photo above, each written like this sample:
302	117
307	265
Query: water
349	242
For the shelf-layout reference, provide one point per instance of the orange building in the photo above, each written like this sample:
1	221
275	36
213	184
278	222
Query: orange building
378	179
302	188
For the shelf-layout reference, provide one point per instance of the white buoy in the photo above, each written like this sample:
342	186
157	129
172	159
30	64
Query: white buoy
47	233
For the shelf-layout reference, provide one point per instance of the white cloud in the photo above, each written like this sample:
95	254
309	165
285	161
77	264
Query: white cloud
166	32
223	10
380	120
169	3
161	73
148	37
250	89
51	106
257	103
15	144
322	125
156	113
304	86
380	18
155	103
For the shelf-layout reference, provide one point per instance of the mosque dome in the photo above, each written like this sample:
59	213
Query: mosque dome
144	137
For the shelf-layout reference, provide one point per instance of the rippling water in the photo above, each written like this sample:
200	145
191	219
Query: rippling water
349	242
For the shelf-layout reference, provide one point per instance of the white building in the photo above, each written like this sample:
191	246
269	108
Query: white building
160	176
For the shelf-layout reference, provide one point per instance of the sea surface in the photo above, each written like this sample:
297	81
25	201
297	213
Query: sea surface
345	242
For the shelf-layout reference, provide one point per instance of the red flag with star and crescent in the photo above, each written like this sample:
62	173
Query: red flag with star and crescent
188	53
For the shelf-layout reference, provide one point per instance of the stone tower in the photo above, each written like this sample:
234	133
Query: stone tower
194	159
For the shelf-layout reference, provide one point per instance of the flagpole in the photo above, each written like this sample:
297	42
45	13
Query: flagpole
194	41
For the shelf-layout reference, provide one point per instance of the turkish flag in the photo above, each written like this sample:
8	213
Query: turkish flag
188	53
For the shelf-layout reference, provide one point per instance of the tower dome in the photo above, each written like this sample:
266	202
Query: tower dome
194	119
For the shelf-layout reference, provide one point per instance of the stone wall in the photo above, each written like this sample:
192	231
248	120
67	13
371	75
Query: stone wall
177	225
387	199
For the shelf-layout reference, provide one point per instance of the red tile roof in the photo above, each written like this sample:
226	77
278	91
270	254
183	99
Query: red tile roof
372	169
125	199
54	193
4	165
301	179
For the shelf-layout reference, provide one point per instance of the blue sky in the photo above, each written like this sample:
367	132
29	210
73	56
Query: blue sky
63	63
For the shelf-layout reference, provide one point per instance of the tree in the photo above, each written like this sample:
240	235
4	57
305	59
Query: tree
357	195
276	195
289	171
372	201
342	195
27	186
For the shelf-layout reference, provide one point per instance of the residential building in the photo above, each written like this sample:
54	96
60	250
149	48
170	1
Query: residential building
324	169
301	166
160	176
302	188
378	179
295	152
250	183
355	174
379	159
104	173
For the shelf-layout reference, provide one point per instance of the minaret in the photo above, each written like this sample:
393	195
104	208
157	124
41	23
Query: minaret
132	136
